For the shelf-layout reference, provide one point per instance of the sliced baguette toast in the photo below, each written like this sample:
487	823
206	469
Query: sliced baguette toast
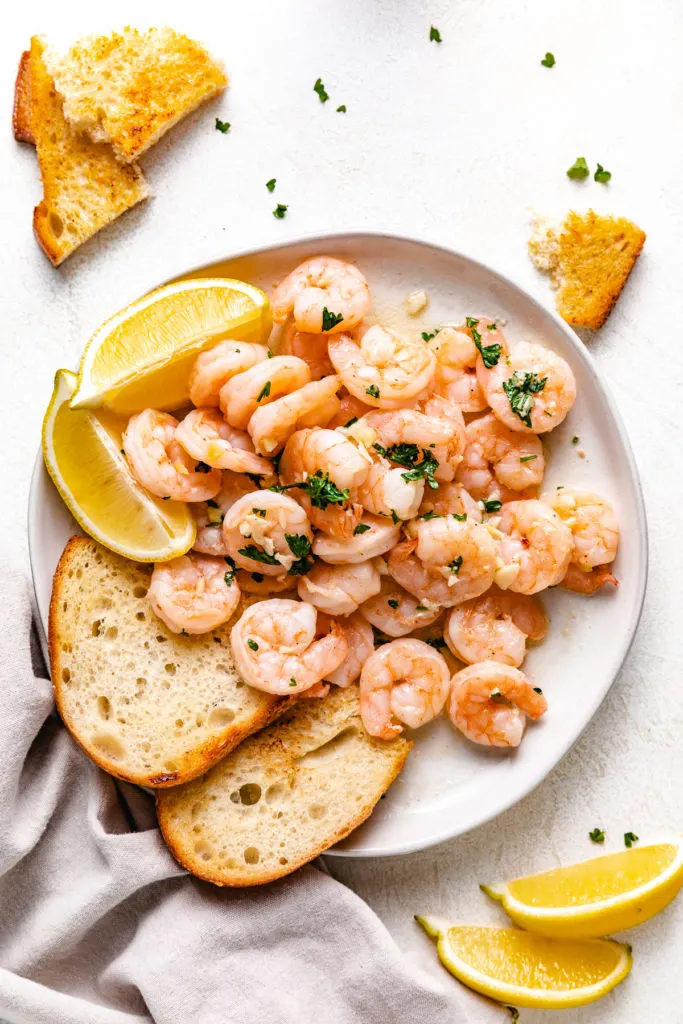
147	705
84	186
589	258
131	87
21	111
284	796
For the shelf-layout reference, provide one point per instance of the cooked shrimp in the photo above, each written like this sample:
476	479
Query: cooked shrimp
159	462
339	589
495	627
212	369
588	582
315	450
209	515
534	549
193	593
325	295
351	409
243	394
361	642
498	460
264	586
425	582
594	526
450	499
313	404
405	681
275	648
456	359
381	537
386	492
383	369
268	533
530	389
489	702
464	553
206	436
396	612
437	431
312	348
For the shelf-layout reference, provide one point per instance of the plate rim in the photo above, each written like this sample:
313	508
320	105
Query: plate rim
512	798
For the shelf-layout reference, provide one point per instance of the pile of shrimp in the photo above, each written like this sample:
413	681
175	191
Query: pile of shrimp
372	503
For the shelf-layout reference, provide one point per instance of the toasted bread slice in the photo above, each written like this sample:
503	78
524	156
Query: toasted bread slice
284	796
147	705
131	87
589	258
21	111
84	186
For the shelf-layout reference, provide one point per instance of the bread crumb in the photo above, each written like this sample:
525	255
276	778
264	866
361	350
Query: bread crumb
416	302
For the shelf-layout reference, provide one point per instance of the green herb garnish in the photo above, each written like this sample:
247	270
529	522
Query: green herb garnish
222	126
579	169
491	505
330	320
319	88
490	354
520	389
264	392
392	603
361	528
257	555
432	515
597	835
428	335
629	839
280	211
373	391
602	175
341	109
300	546
575	439
321	490
434	35
354	419
460	516
394	518
528	458
548	61
292	681
252	645
455	565
408	455
270	185
260	512
471	321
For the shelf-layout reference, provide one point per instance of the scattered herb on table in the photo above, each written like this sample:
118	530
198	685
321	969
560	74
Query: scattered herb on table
319	88
597	835
270	185
435	35
575	440
602	175
222	126
579	169
629	839
280	211
341	109
548	61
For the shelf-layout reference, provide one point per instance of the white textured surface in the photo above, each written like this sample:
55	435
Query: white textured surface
452	143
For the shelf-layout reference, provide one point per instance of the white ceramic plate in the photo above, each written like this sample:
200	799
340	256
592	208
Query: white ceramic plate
449	786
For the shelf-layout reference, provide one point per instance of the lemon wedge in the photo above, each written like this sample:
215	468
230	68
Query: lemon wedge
522	969
141	357
595	897
82	452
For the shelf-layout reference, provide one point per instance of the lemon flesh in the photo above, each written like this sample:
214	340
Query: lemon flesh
142	357
596	897
523	969
82	452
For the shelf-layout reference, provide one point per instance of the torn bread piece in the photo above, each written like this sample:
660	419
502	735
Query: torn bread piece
589	258
84	186
131	87
21	111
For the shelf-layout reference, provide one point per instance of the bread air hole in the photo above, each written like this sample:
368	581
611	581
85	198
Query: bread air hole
205	850
108	745
220	717
111	633
56	225
276	793
140	616
332	749
170	668
66	675
139	591
103	707
283	860
97	627
317	810
250	793
251	855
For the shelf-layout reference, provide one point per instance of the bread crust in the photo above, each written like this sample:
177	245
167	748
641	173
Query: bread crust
190	765
21	109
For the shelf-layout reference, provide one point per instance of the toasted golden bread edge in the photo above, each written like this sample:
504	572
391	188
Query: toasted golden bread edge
21	109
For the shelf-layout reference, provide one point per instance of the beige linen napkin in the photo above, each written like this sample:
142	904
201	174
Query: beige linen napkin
99	925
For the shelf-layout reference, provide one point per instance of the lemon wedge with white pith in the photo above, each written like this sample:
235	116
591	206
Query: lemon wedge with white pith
523	969
141	357
595	897
82	452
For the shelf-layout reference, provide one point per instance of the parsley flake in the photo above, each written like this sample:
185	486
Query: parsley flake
602	175
280	211
434	35
432	515
490	354
471	321
320	490
428	335
252	645
319	88
491	505
260	512
408	455
597	835
520	389
292	681
492	327
330	320
202	467
528	458
270	185
460	516
579	169
373	391
548	61
514	1013
354	419
361	528
394	518
629	839
300	546
456	565
264	392
575	439
421	608
222	126
257	555
341	109
392	603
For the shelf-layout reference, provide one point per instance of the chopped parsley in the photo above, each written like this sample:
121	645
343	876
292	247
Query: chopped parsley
264	392
597	835
257	555
471	321
341	109
280	211
361	528
492	327
629	839
456	565
514	1013
579	169
575	439
432	515
460	516
330	320
202	467
490	354
260	512
373	391
230	574
319	88
252	644
437	642
602	175
292	681
321	490
300	546
408	455
548	61
270	185
421	608
434	35
491	505
354	419
428	335
528	458
392	603
394	518
222	126
520	389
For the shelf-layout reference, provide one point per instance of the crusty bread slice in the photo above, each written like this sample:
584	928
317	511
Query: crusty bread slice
21	111
284	796
84	186
131	87
589	258
147	705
